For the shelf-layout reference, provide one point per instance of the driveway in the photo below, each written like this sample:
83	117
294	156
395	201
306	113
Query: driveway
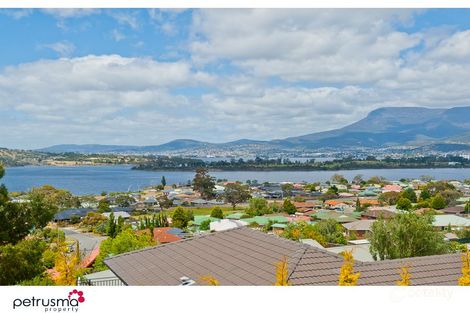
88	242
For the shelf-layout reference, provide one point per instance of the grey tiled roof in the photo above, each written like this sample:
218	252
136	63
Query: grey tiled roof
244	256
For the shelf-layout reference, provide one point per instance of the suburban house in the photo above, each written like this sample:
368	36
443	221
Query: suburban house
360	227
244	256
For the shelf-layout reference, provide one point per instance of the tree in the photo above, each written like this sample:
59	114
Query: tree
125	241
163	181
378	180
217	213
111	226
103	206
405	235
409	194
124	201
288	207
405	276
282	273
209	280
303	230
467	207
425	194
438	202
236	193
339	179
287	190
389	197
464	280
331	230
22	261
67	265
62	199
164	202
404	204
204	183
181	217
257	207
205	225
358	179
358	205
347	277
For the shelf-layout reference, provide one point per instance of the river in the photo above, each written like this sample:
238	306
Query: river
83	180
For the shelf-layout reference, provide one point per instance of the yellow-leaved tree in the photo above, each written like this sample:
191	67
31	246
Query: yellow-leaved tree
67	265
209	280
465	279
282	273
405	276
347	277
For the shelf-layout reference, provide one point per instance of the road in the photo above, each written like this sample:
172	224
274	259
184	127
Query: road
87	241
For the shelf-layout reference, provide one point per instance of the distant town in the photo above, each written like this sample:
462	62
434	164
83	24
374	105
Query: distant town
191	234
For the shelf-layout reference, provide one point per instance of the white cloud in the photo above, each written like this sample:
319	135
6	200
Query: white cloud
117	35
16	14
63	48
130	19
70	13
347	46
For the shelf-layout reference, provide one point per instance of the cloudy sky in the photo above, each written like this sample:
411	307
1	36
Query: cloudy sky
146	77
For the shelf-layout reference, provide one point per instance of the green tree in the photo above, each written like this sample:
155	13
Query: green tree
389	197
111	226
164	202
425	194
288	207
62	199
331	230
287	190
467	207
103	206
438	202
181	217
257	207
358	179
404	204
405	235
338	179
236	193
205	225
303	230
163	181
124	201
22	261
125	241
409	194
217	213
204	183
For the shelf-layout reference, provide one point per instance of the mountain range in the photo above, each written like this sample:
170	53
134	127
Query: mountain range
413	127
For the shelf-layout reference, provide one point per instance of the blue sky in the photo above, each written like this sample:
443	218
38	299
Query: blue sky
146	77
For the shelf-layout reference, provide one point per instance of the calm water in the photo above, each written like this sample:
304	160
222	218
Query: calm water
95	179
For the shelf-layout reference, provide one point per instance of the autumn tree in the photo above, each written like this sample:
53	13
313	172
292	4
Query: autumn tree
67	265
464	280
347	277
204	183
282	273
209	280
405	276
235	193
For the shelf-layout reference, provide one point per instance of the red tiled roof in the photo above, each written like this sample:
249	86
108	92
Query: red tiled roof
160	235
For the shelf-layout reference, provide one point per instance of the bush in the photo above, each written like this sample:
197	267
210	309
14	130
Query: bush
205	225
217	213
289	207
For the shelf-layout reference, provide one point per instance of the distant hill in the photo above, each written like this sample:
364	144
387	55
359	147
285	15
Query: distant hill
384	127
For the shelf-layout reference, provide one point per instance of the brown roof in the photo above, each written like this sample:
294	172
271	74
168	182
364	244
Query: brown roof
375	214
244	256
453	210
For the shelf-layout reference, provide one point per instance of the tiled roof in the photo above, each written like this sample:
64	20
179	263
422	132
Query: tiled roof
163	235
244	256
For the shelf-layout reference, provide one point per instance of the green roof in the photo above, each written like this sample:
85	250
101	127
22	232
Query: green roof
235	216
279	225
198	219
337	216
263	220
